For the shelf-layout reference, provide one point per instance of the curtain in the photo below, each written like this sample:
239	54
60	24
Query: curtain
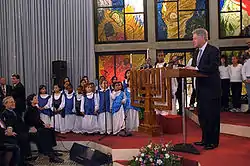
33	33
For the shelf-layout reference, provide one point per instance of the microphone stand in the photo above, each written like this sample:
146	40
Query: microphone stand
105	116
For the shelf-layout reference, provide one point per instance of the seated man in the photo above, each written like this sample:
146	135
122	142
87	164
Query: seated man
9	152
41	133
20	130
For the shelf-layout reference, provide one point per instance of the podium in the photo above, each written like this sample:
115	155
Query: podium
148	87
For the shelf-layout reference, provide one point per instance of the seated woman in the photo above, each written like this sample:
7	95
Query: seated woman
41	133
20	134
9	152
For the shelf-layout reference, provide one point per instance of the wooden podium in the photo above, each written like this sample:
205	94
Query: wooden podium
154	85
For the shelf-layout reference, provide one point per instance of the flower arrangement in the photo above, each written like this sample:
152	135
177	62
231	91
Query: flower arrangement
156	154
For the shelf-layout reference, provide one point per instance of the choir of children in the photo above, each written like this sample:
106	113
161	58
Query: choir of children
91	109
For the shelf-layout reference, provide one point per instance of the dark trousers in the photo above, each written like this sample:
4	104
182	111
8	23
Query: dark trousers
236	88
209	119
225	87
193	97
14	149
44	139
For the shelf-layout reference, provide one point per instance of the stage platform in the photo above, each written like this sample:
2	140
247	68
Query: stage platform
233	150
233	123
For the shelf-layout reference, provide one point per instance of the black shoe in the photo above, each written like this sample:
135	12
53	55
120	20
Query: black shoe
199	143
56	160
58	154
209	147
31	158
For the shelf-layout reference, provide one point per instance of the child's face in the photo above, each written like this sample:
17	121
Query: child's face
93	87
43	91
66	84
70	89
88	89
79	90
83	83
56	88
104	84
118	87
128	74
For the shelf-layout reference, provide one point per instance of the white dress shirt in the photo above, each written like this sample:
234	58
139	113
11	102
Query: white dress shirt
224	72
235	73
246	70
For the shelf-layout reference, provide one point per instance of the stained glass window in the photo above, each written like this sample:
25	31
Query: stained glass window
110	65
234	18
120	20
176	19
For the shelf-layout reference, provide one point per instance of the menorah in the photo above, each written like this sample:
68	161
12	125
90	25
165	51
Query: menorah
150	88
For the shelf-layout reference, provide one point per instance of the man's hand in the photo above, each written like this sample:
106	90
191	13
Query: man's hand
41	108
190	68
33	130
47	126
10	133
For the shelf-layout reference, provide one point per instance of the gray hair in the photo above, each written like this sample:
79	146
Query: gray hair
6	99
201	32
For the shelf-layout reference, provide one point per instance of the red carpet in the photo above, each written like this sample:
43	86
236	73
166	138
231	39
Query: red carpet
234	118
232	151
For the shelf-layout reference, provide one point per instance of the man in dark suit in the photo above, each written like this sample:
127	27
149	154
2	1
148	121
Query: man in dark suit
18	93
5	90
208	89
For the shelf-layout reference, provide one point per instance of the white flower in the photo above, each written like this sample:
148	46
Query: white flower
149	146
142	155
151	160
167	155
136	158
166	145
159	162
164	149
140	159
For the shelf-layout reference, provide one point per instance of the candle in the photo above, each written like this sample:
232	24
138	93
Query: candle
130	58
147	53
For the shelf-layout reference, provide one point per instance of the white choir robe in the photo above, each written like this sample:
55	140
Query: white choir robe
118	118
132	120
46	118
89	122
78	120
105	118
70	118
59	121
174	85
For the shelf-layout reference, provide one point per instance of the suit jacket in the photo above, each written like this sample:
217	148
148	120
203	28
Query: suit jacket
8	91
209	86
10	118
32	118
18	93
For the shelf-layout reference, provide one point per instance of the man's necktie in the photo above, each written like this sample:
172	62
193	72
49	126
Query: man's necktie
199	57
4	91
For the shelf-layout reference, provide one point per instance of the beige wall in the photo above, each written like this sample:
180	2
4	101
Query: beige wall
153	45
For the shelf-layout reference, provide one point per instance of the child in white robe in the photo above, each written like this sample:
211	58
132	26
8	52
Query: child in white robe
118	99
44	104
89	107
104	112
132	119
58	104
69	109
79	115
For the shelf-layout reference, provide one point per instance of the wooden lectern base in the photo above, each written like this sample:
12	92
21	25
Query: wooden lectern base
153	130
